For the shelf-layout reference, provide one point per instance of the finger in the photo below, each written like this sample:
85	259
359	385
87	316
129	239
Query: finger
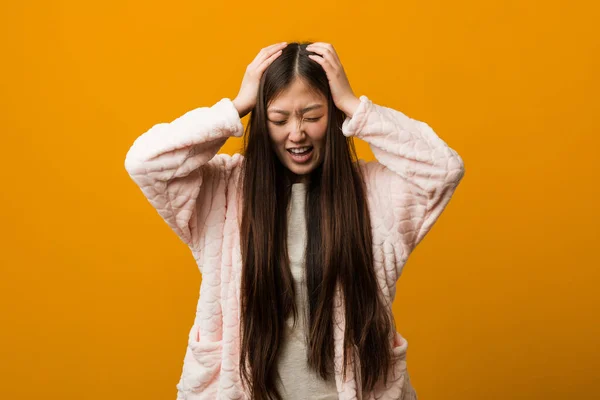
320	60
323	45
326	55
274	47
268	51
325	52
263	65
264	59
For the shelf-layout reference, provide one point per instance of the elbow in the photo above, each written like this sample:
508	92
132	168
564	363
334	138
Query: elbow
131	163
135	163
143	145
138	151
456	169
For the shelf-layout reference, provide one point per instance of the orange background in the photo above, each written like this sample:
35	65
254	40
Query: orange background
500	301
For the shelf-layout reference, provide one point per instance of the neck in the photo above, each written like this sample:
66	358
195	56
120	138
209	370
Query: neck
299	178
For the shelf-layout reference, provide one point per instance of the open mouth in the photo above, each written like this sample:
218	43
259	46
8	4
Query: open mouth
301	154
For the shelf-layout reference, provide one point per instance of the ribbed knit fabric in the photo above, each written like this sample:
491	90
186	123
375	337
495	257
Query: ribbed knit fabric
298	382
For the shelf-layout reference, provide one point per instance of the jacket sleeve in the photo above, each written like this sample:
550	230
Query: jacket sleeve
414	176
171	163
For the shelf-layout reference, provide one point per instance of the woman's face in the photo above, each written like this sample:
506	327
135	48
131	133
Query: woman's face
297	121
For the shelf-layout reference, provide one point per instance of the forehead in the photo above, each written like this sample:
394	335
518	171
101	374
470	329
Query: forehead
298	97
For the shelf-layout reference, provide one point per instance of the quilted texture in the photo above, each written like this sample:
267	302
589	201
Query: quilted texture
194	190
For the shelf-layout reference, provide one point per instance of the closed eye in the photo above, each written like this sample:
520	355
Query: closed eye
284	122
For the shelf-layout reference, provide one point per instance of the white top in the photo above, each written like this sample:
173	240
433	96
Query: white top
298	381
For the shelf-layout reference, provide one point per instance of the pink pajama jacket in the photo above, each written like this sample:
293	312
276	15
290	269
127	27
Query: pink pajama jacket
194	190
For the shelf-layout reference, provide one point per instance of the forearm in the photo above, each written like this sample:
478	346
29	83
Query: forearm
406	146
175	149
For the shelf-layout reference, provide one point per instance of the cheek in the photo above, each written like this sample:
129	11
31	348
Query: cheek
319	134
276	136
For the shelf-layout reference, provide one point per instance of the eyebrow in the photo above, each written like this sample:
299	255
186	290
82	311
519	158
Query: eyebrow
309	108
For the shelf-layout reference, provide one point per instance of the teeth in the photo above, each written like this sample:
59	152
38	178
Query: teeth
300	150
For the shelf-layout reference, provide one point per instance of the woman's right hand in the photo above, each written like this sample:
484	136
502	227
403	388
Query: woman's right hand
246	98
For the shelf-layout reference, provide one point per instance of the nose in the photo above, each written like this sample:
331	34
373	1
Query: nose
296	134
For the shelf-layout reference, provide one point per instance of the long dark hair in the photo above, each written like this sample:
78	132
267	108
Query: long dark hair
339	248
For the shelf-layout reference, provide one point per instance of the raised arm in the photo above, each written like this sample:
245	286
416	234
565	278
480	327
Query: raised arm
414	176
171	161
174	162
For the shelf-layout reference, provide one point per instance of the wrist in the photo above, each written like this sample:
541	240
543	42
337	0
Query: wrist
351	106
241	111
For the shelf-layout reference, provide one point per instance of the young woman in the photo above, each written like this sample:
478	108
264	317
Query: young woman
299	243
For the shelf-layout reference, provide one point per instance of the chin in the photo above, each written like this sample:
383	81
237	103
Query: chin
303	170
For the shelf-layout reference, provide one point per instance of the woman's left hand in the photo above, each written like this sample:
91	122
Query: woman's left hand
342	93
